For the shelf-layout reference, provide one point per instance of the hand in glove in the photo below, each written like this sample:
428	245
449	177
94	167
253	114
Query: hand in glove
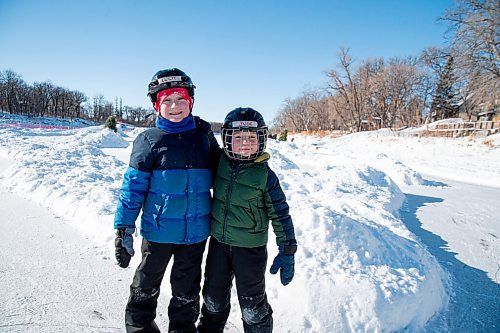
124	249
285	261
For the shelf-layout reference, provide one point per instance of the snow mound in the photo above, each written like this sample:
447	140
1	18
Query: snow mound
434	124
136	131
398	171
111	139
69	173
13	120
352	241
494	140
459	159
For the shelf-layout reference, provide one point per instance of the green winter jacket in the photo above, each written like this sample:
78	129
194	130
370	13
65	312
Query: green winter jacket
246	197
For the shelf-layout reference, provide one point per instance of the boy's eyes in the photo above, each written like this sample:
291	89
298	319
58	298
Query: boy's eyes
170	101
247	138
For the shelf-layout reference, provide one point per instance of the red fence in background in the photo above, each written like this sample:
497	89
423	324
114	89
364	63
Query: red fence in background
50	127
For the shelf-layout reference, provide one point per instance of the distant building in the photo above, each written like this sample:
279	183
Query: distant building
481	112
371	124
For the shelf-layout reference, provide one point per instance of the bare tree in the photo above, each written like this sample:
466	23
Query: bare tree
476	28
98	107
284	117
317	109
395	92
352	88
307	112
379	103
337	120
57	96
76	100
405	80
25	99
11	86
43	96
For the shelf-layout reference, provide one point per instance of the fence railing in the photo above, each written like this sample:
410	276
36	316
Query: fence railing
455	130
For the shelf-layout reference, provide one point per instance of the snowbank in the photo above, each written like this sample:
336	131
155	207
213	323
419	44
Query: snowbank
473	161
68	172
368	272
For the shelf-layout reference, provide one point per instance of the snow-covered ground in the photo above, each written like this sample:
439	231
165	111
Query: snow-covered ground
395	233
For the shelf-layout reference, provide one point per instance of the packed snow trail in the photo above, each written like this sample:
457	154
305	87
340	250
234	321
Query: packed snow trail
442	221
53	279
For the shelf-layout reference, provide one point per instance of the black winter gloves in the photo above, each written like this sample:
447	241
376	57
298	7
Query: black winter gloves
124	246
285	261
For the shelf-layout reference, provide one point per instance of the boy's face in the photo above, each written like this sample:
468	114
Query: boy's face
245	143
174	108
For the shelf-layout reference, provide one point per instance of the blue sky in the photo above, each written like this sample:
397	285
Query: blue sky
238	53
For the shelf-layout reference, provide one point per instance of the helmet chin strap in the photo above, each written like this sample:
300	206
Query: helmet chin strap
192	105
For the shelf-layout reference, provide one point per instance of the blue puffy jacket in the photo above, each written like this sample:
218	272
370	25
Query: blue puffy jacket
169	178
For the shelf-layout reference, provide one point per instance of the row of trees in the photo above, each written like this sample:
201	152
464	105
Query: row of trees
387	93
401	92
47	99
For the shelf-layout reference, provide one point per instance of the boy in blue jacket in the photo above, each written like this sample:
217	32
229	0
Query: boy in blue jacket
169	178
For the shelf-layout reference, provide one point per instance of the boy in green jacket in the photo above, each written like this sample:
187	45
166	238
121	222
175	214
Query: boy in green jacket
247	195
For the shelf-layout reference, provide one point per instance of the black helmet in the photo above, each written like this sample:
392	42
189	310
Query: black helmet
169	78
244	120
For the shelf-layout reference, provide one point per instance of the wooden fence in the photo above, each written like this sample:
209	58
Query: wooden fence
455	130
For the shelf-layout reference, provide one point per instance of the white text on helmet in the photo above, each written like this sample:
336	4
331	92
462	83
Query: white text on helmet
169	79
244	123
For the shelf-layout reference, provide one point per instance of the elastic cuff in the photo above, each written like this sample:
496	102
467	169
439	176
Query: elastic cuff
288	247
125	231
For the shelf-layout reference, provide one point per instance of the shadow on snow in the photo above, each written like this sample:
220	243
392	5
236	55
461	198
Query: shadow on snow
474	298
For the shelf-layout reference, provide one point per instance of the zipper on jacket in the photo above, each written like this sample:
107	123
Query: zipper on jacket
160	211
234	171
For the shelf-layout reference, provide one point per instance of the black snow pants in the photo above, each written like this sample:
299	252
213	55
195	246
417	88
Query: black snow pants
185	278
248	266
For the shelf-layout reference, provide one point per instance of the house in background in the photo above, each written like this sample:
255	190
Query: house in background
481	112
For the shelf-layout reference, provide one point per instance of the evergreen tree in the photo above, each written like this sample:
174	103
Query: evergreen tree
111	123
283	135
444	102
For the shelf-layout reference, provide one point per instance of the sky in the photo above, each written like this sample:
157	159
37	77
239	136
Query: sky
396	232
238	53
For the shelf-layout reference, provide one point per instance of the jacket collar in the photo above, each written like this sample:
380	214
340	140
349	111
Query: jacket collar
261	159
168	126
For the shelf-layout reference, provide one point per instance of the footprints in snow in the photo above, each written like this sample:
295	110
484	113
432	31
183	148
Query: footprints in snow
97	315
